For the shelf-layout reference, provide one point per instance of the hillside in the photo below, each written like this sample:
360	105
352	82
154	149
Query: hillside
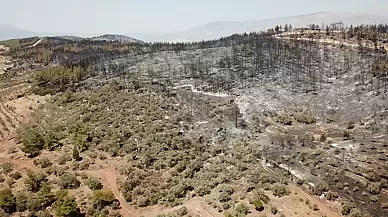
262	124
220	29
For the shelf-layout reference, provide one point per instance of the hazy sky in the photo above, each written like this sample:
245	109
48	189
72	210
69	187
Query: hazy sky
146	16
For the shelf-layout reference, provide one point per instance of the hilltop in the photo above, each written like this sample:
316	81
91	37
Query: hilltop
223	28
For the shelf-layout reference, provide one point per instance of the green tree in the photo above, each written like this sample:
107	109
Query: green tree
34	181
50	140
65	206
45	196
21	201
32	141
7	201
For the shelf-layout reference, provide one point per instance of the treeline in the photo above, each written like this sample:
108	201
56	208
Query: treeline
57	78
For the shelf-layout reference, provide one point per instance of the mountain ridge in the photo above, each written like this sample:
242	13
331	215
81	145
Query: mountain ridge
219	29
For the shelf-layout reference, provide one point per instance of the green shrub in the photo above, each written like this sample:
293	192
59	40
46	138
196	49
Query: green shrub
7	201
347	207
68	181
102	198
242	209
355	213
143	201
93	183
331	195
258	204
182	211
202	190
305	117
280	190
321	188
374	188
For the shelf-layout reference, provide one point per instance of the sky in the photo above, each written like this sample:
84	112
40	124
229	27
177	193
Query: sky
160	16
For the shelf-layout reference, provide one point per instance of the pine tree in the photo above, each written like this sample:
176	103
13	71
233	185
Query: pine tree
76	154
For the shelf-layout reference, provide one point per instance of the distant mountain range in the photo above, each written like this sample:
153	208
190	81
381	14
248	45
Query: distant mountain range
219	29
224	28
10	32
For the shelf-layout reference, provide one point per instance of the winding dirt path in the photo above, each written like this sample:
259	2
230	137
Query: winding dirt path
109	180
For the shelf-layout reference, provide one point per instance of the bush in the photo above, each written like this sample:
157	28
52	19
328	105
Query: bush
7	201
68	181
94	184
32	141
202	190
274	210
43	162
143	201
224	197
102	198
258	204
374	188
315	207
355	213
16	175
33	203
6	168
331	196
305	117
242	210
64	159
34	181
347	207
280	190
182	211
321	188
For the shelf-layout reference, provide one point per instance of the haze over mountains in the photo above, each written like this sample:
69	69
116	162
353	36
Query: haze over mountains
224	28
